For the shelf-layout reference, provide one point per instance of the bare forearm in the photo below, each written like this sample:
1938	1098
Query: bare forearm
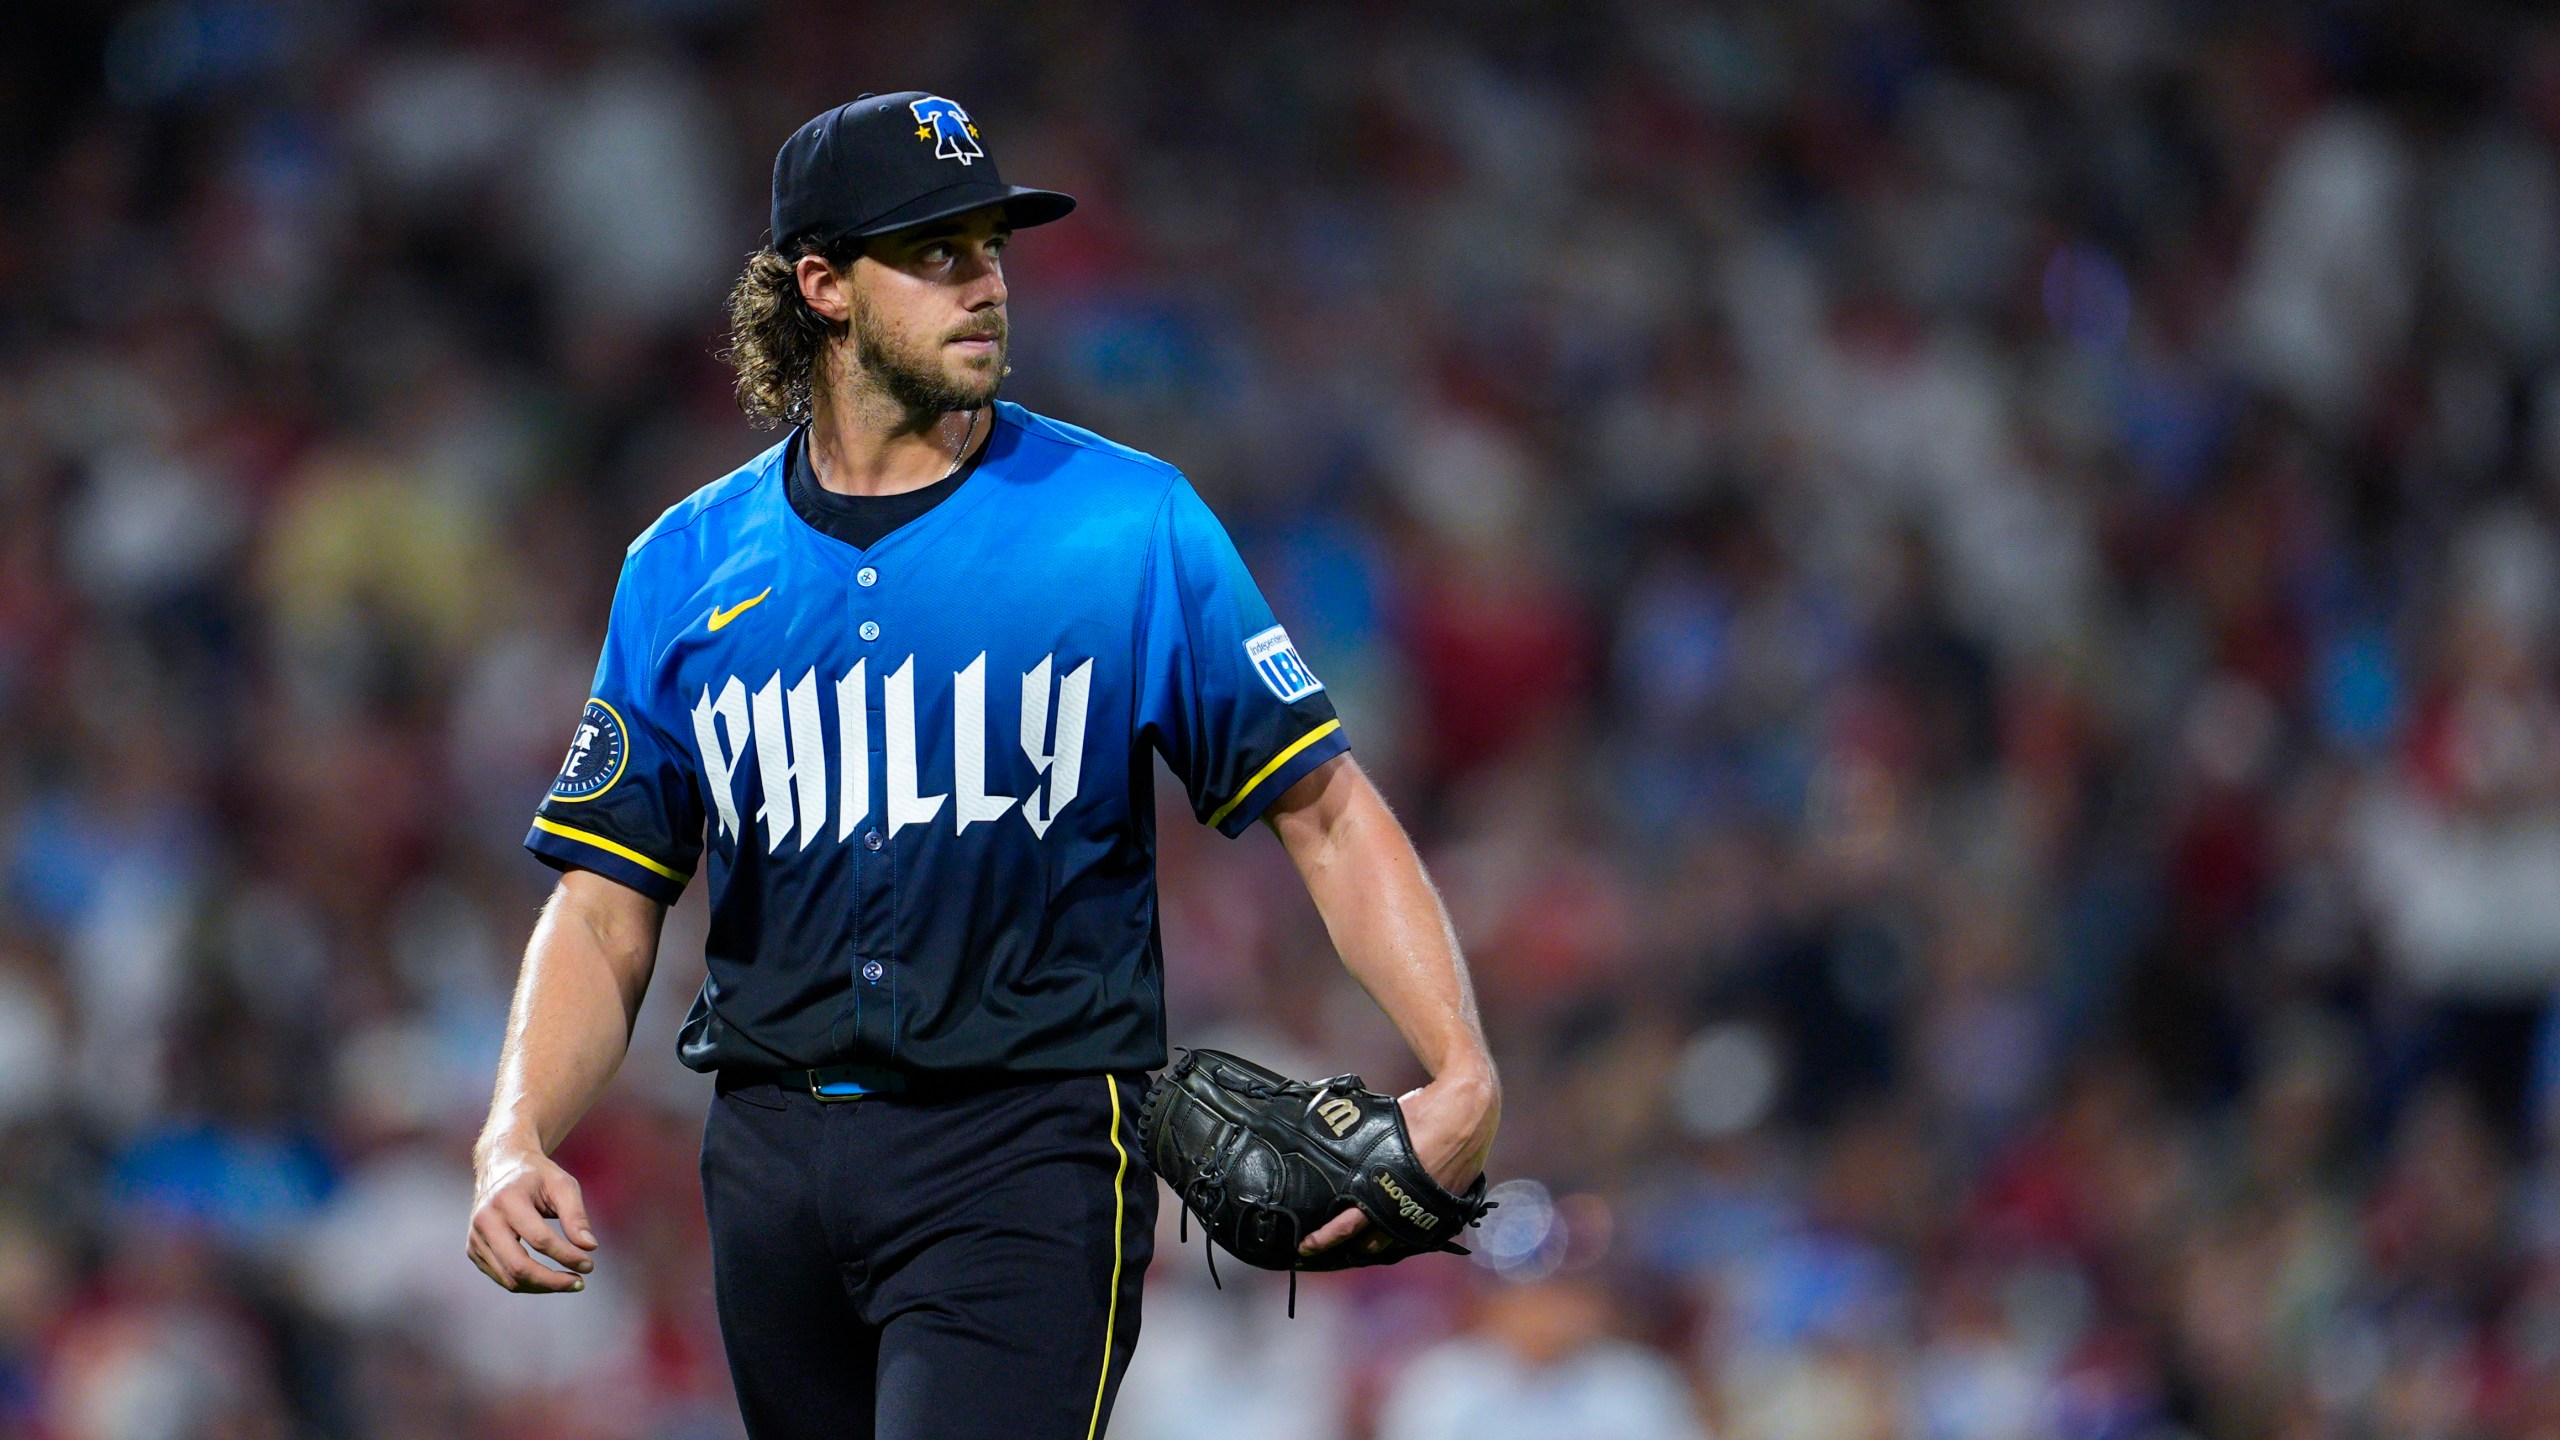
1385	918
585	973
1388	925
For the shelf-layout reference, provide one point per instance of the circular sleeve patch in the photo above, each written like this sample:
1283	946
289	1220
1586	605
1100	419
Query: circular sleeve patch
596	754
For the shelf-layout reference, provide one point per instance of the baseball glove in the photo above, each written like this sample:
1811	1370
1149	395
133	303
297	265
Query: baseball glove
1264	1161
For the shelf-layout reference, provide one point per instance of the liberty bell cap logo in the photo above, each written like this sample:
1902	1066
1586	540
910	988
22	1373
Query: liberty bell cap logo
947	125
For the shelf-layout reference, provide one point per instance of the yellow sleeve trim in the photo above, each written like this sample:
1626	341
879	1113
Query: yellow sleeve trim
554	827
1266	772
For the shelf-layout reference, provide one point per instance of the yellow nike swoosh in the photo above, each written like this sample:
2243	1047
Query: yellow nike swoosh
723	617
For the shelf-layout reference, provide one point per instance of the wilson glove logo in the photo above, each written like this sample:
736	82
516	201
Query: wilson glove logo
1339	1115
786	729
1406	1206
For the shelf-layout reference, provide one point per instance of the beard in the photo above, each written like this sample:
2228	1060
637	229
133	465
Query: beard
914	376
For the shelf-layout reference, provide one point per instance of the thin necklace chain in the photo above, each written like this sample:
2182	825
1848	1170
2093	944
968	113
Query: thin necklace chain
963	452
956	456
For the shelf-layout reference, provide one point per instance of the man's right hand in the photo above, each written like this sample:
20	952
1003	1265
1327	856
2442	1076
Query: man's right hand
520	1191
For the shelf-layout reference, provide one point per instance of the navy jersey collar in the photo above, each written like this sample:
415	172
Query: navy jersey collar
863	521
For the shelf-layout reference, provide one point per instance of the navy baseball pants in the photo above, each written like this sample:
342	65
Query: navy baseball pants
962	1265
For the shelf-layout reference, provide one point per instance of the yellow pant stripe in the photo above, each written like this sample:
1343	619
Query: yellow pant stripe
1119	1219
554	827
1283	758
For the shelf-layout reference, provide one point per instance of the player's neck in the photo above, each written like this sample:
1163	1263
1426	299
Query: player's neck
882	449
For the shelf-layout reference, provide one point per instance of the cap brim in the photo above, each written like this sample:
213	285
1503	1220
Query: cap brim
1024	207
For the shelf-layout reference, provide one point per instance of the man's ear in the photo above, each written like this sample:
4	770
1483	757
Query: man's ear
826	289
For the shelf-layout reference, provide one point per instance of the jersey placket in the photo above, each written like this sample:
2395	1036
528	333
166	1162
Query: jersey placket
875	866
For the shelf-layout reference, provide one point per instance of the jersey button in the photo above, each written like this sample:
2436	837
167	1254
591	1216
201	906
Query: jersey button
867	576
870	630
870	839
871	970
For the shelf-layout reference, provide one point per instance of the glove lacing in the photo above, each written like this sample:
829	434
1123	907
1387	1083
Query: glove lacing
1208	1192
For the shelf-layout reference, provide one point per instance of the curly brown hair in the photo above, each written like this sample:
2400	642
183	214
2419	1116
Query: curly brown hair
775	339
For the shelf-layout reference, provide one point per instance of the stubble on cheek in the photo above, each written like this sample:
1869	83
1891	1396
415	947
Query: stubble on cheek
911	368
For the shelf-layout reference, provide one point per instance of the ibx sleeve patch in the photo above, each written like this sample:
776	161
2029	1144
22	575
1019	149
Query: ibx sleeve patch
1277	662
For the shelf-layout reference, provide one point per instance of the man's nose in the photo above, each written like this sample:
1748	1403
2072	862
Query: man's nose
985	280
986	288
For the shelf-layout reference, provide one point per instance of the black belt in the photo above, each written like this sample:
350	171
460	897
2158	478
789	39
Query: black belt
830	1084
833	1083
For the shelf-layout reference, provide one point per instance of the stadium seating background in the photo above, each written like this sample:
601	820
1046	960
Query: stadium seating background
1962	597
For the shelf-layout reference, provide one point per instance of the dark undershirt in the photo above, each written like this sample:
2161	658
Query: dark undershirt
861	520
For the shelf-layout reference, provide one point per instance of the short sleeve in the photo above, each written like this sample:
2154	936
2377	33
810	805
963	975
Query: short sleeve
1223	694
625	804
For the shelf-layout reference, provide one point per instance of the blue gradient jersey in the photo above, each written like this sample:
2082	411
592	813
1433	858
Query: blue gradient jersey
919	774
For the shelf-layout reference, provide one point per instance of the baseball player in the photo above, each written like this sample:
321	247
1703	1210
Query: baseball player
894	685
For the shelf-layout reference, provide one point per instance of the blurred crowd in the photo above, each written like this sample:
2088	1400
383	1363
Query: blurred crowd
1964	599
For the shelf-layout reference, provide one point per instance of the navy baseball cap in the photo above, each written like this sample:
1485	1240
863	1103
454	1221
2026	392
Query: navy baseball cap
885	162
